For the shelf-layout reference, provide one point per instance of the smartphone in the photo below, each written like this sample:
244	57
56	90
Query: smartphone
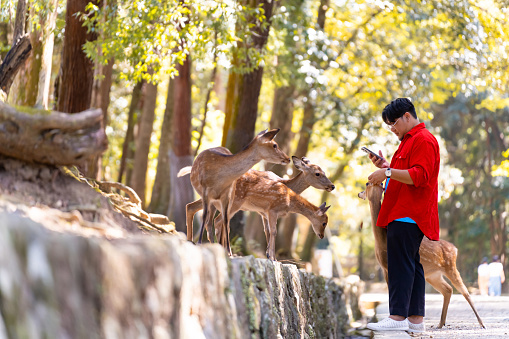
368	151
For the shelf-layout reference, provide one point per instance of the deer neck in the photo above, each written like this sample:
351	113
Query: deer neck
302	206
241	162
380	233
297	184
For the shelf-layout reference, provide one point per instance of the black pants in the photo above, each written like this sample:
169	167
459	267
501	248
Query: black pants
406	276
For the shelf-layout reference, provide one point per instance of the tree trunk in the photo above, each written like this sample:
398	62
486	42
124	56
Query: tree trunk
207	99
160	201
308	122
139	177
181	153
77	74
4	32
100	98
25	85
284	244
48	24
282	117
242	127
19	23
13	61
233	86
128	147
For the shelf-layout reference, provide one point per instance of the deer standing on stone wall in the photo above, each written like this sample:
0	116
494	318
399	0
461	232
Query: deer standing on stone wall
438	258
272	199
215	171
309	175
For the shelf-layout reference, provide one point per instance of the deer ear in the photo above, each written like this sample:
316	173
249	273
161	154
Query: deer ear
362	195
262	132
298	163
267	136
306	160
322	209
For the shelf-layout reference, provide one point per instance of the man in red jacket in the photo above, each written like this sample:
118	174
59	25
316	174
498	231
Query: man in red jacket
409	211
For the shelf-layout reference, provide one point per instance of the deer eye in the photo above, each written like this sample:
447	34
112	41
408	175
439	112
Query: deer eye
324	224
275	146
317	174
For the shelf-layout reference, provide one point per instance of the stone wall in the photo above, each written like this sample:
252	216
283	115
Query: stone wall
62	285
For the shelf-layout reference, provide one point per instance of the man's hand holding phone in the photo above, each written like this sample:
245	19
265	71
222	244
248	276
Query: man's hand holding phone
377	159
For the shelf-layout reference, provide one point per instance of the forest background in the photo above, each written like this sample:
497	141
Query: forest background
176	77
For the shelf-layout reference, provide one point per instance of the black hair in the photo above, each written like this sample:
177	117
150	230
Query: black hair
396	109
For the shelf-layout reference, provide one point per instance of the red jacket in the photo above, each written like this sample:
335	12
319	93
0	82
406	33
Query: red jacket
419	154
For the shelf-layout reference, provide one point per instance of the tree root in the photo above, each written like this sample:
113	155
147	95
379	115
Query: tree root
129	206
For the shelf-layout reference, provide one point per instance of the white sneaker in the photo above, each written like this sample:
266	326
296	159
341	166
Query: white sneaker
389	324
417	328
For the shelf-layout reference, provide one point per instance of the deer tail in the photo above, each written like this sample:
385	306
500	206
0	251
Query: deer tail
184	171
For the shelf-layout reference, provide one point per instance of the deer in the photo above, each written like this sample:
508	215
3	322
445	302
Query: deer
438	258
272	199
309	175
215	170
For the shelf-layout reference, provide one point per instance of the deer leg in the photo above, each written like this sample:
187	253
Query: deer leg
272	220
454	276
209	225
191	210
266	230
225	202
437	281
206	206
218	225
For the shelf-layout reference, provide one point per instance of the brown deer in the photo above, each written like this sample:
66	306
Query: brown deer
309	175
215	170
271	199
438	258
259	183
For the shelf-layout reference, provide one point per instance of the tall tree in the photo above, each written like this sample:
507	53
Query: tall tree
181	151
48	24
100	98
143	141
24	85
160	201
20	51
128	147
76	71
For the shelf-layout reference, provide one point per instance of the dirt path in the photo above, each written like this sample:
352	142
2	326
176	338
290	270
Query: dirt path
461	322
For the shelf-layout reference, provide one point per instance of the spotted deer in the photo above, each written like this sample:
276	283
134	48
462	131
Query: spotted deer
438	258
271	199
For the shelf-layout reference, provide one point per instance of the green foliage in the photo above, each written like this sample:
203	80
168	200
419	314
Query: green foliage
157	35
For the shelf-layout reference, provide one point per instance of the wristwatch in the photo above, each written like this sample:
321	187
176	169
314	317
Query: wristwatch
388	172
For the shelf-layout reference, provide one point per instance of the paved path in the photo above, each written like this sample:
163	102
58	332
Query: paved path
461	322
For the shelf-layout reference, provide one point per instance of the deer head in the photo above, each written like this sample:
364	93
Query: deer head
268	149
320	221
313	174
372	192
